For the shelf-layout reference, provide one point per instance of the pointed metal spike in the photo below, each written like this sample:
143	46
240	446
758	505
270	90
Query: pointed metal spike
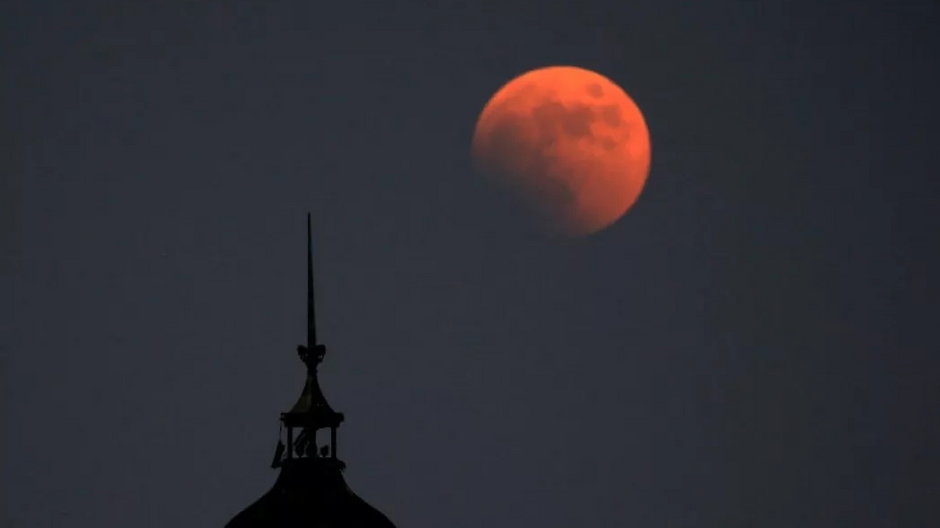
311	315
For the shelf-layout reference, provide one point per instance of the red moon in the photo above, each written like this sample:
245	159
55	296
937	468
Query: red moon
569	142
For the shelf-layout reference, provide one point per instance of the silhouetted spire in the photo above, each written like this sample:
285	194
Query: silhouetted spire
311	312
310	490
311	411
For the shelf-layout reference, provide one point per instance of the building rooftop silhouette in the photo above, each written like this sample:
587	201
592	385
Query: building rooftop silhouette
310	490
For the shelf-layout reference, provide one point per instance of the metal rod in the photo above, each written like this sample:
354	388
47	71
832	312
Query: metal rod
311	316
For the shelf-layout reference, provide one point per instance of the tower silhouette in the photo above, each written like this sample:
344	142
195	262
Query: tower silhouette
310	490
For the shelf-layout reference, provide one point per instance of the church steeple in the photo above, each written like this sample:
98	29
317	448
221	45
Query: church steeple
310	490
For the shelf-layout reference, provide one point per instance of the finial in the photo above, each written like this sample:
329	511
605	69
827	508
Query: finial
311	354
311	315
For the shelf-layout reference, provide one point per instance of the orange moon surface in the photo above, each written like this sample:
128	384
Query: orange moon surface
567	141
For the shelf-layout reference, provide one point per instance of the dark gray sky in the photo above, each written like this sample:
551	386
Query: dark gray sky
754	344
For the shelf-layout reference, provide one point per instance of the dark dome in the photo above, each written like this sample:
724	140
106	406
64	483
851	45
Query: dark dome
310	492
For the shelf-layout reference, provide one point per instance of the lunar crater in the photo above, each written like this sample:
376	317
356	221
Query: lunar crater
595	90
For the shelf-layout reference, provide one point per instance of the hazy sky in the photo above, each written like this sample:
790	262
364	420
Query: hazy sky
753	345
